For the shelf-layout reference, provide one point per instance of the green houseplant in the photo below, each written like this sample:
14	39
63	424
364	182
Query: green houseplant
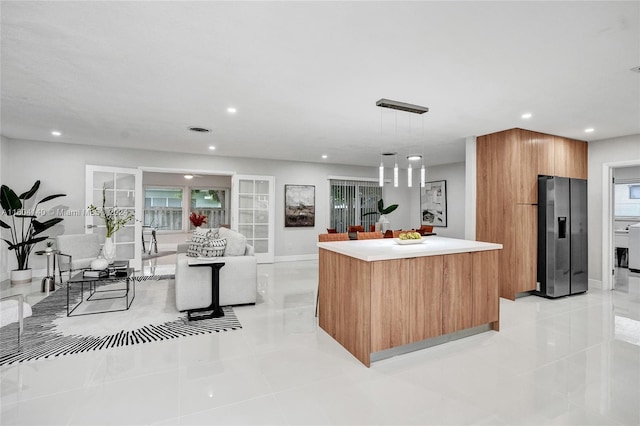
382	210
114	219
25	230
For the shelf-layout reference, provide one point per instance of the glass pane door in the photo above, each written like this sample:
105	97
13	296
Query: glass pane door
121	190
253	213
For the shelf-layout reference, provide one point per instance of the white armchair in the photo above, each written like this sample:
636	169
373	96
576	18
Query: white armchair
76	252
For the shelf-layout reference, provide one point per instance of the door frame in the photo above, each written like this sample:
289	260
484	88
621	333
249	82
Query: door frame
268	257
607	219
138	205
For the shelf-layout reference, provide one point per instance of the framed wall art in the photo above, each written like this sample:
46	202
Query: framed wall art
299	205
433	203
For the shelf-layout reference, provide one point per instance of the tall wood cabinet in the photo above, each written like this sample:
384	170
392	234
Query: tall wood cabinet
508	165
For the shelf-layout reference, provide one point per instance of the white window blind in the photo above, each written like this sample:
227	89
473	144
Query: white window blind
350	200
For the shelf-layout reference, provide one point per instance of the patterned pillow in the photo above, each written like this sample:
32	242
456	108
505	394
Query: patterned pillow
214	248
194	249
202	235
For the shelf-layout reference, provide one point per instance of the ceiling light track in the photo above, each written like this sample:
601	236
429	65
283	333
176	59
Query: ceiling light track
402	106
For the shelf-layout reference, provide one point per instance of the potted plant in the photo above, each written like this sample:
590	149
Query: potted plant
24	227
382	210
114	219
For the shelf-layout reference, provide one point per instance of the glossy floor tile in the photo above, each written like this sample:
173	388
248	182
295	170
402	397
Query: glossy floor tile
571	361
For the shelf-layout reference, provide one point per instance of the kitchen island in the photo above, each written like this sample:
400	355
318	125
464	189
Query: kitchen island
378	298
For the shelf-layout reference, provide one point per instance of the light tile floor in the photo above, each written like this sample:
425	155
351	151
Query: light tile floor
572	361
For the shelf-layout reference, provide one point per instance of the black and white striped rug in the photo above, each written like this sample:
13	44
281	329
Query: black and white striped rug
152	317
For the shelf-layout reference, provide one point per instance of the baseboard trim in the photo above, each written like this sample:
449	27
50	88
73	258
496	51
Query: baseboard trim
295	258
595	284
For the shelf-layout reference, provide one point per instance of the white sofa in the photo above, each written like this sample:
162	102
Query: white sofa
238	277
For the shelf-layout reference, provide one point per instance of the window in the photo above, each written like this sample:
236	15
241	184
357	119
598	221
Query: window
350	200
211	203
627	203
163	208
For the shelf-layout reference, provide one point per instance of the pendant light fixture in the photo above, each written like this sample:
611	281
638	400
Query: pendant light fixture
395	173
414	109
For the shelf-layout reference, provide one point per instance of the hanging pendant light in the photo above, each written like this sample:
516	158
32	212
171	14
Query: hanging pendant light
381	174
423	176
409	176
395	174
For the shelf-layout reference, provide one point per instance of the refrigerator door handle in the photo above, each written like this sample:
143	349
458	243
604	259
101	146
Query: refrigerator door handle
562	227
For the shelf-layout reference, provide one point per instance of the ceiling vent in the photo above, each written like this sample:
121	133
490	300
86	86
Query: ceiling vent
402	106
199	129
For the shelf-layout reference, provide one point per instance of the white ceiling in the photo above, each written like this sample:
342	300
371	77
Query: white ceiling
305	76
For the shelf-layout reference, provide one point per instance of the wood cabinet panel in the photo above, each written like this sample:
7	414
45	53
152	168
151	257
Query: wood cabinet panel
524	166
486	304
545	152
490	151
425	300
390	282
525	243
457	296
570	158
345	302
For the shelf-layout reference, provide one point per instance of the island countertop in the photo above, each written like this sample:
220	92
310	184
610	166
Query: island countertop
388	248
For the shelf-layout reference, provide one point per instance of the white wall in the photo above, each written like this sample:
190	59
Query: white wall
623	149
454	174
4	251
61	168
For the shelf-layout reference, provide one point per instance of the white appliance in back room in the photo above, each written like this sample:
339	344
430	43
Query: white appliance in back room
634	247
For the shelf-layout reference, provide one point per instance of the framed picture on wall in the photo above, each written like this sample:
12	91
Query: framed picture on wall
299	205
433	203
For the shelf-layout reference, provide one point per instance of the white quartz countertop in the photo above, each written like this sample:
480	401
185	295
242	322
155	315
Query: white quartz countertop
388	248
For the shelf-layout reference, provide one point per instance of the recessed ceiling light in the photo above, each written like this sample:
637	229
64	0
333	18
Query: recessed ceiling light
232	110
324	156
635	69
199	129
188	176
526	115
589	130
414	157
56	133
212	147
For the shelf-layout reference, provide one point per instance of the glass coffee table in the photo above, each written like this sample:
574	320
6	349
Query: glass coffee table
94	287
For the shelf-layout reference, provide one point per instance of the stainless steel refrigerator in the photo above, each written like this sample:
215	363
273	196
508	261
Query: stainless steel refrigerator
562	236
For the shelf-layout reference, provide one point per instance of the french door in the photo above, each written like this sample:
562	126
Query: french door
122	190
252	212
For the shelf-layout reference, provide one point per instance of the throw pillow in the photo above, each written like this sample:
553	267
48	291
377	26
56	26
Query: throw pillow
236	242
214	248
194	249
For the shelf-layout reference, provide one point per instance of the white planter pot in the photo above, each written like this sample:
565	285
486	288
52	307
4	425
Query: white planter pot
385	225
21	276
109	249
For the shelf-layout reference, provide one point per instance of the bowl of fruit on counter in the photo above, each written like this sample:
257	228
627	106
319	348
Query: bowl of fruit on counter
409	237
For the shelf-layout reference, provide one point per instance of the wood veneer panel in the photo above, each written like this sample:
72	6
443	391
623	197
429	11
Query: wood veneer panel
457	296
486	302
524	166
570	158
525	242
345	302
545	152
425	300
389	303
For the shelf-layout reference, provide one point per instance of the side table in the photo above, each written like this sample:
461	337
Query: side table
49	282
214	307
